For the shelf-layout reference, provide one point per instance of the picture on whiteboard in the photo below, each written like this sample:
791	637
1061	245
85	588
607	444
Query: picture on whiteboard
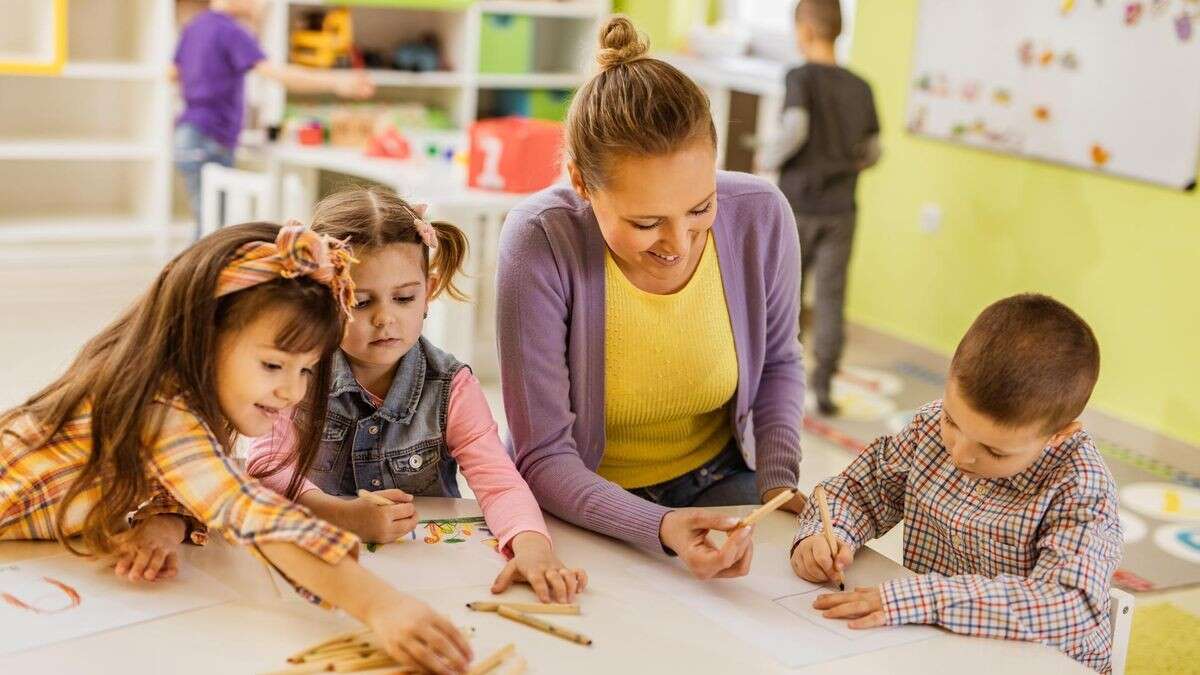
1092	85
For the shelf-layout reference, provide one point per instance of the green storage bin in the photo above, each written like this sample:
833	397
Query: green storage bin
550	104
506	44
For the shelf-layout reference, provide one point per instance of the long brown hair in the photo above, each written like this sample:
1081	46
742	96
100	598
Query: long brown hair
166	343
369	218
635	106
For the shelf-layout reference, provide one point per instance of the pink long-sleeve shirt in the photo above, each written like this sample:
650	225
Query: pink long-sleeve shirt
474	441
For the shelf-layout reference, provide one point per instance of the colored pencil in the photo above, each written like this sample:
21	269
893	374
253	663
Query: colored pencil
762	511
830	538
527	607
544	626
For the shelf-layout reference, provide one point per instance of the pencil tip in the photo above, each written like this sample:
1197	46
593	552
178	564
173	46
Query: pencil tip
841	587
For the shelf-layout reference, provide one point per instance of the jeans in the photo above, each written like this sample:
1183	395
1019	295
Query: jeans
723	481
194	149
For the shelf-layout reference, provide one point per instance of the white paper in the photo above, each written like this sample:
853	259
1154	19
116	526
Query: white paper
48	600
771	608
425	560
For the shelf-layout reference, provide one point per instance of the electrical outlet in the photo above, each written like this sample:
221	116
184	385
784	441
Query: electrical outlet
930	219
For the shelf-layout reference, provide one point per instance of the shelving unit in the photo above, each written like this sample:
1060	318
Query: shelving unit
565	30
85	154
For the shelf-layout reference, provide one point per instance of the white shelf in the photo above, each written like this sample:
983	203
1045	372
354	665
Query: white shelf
531	80
73	227
581	9
76	150
112	70
430	80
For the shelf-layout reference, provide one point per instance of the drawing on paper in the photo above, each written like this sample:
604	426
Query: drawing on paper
53	602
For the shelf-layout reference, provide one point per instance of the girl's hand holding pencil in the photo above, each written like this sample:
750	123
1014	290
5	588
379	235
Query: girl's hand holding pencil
379	517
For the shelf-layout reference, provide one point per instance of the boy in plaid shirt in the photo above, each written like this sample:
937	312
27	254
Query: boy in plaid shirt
1011	515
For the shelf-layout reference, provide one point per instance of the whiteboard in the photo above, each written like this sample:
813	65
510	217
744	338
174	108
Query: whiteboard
1105	85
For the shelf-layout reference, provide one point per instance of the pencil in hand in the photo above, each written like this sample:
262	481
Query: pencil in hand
830	538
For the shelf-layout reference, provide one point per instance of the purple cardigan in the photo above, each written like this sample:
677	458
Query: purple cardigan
550	328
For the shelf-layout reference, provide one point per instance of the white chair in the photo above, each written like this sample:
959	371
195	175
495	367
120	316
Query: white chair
247	196
1121	621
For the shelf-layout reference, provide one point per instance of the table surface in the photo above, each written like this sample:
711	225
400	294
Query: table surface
255	633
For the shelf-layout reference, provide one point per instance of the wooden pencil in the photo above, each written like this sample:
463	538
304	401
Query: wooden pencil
486	665
377	660
375	499
544	626
827	527
762	511
527	607
516	667
346	638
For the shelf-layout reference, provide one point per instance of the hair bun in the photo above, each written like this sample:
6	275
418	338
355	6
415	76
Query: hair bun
620	43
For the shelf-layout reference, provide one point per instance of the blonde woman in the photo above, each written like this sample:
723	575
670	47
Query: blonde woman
647	322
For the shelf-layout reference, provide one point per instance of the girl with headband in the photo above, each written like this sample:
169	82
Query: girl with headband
235	329
402	414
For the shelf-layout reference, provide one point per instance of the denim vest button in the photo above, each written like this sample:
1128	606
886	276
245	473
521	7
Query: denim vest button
373	430
416	461
375	482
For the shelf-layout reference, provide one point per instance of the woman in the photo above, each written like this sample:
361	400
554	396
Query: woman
643	331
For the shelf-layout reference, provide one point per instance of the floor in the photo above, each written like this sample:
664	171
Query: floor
50	309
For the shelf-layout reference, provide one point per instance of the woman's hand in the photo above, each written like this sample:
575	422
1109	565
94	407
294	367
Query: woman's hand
685	532
411	632
150	551
534	562
795	504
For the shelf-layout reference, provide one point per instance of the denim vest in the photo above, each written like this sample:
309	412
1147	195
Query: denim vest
401	444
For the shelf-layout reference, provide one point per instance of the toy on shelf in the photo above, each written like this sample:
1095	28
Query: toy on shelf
312	133
328	40
389	143
420	56
514	154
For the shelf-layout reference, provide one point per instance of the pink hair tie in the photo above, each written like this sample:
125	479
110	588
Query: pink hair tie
424	229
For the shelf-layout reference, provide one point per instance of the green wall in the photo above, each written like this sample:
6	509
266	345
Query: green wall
1124	255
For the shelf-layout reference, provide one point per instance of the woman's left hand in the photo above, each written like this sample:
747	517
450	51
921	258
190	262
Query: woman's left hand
795	504
535	563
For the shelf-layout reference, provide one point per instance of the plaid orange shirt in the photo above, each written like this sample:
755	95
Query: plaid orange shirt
193	477
1029	557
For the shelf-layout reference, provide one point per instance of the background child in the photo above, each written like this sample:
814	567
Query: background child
1011	515
239	326
829	132
211	61
402	413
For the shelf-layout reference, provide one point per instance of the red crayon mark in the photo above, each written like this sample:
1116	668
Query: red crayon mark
73	599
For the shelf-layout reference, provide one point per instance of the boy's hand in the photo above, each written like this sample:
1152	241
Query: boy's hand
356	85
150	551
863	605
812	560
412	632
795	504
685	531
535	562
380	524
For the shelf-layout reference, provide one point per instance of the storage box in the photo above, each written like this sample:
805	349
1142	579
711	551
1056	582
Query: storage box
514	154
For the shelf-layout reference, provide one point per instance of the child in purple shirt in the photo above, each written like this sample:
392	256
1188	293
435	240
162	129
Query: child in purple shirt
214	54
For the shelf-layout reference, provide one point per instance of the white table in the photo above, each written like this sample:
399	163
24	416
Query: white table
256	633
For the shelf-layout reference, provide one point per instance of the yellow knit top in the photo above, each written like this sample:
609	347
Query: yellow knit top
670	373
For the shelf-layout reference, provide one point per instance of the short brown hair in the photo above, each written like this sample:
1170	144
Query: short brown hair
635	106
1028	358
369	218
825	16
